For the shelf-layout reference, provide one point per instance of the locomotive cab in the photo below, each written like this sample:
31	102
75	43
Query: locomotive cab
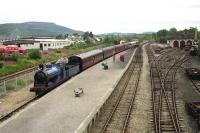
74	60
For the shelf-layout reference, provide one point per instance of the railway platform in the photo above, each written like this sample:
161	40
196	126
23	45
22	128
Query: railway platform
60	111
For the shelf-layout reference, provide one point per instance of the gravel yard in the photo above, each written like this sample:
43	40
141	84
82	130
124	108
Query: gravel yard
14	99
186	93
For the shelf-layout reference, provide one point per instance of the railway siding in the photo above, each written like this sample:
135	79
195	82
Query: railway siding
165	116
116	112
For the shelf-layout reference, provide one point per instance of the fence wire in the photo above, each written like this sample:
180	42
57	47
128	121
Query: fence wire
14	84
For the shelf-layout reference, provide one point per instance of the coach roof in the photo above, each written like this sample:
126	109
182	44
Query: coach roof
88	54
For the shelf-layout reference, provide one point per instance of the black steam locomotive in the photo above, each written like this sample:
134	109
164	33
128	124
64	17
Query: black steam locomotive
51	75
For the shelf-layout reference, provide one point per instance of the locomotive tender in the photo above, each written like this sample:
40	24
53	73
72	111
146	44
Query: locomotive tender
52	75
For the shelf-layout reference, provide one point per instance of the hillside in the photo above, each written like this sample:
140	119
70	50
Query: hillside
34	29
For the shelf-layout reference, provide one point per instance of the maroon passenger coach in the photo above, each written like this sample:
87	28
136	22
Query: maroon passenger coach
88	59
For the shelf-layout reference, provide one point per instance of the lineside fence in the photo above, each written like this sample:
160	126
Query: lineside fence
14	84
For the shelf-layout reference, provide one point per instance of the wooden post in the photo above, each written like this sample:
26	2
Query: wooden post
4	84
16	82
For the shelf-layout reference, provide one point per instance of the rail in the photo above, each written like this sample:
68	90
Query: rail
87	125
126	95
157	109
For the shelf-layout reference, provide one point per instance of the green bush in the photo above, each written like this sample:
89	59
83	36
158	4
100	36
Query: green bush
58	51
34	54
66	47
1	64
13	57
1	56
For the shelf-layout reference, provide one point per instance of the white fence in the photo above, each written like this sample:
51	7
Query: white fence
20	82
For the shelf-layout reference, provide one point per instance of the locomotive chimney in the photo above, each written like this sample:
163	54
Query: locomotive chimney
41	67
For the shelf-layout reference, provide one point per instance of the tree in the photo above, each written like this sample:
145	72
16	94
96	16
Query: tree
34	54
66	35
162	36
187	33
86	35
75	34
173	33
60	36
91	35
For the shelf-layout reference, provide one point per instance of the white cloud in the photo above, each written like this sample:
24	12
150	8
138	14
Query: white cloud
102	16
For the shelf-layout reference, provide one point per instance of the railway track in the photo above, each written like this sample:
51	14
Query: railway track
20	73
169	91
17	109
115	114
196	85
17	74
164	105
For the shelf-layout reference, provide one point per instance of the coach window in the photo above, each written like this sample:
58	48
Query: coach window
49	44
45	45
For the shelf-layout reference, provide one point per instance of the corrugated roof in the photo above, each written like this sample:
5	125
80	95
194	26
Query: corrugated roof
51	40
15	42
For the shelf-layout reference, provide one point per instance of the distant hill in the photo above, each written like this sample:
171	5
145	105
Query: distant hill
34	29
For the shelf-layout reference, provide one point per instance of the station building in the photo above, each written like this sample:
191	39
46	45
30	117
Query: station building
42	43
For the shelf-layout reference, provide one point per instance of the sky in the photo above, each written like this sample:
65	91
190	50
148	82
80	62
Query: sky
105	16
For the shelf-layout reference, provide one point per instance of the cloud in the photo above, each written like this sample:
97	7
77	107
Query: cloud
102	16
195	6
